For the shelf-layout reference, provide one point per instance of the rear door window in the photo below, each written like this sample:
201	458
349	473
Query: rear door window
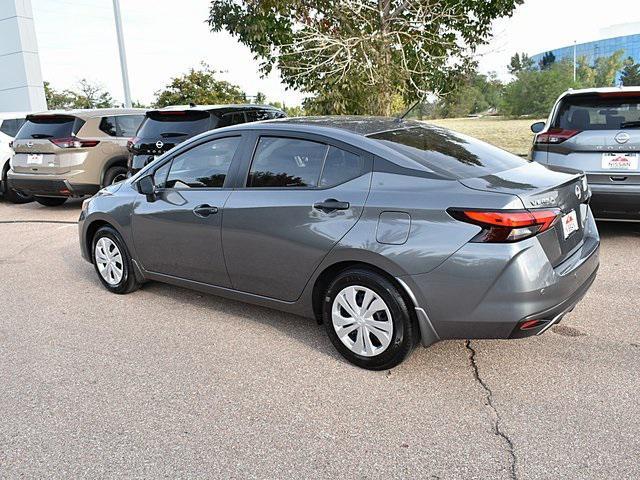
10	126
127	125
174	124
604	111
50	126
204	166
340	166
108	126
232	118
449	153
262	114
286	162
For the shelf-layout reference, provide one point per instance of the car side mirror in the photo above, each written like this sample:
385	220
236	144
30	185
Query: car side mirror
147	187
537	127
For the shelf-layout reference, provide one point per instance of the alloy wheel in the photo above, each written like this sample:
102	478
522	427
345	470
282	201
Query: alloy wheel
362	320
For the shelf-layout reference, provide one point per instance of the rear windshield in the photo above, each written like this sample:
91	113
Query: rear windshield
50	126
449	153
599	112
174	124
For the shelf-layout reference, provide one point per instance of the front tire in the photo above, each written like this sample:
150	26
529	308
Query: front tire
112	261
50	201
367	320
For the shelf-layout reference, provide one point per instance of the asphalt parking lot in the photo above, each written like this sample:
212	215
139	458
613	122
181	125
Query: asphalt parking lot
170	382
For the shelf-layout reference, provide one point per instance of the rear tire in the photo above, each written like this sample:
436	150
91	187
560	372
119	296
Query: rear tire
50	201
112	261
114	175
382	333
12	195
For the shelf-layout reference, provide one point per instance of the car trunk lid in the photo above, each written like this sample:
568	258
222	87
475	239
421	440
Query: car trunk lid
541	188
37	144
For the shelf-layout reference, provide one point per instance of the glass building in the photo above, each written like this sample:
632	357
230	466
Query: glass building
629	44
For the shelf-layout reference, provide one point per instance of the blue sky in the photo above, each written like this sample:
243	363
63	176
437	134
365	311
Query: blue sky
164	38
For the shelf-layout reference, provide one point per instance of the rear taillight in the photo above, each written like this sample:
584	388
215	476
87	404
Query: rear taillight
73	142
132	142
555	136
507	225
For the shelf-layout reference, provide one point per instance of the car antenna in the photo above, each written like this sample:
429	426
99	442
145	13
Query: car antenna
401	117
191	104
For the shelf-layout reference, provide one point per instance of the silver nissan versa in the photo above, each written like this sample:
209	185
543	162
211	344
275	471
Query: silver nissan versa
597	131
389	232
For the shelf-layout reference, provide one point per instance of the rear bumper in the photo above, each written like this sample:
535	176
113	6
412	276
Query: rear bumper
488	290
49	187
617	202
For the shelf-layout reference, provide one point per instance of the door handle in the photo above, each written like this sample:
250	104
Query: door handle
204	210
330	205
618	178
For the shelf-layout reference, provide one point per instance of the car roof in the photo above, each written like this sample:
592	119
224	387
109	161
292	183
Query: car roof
209	108
587	91
360	125
93	112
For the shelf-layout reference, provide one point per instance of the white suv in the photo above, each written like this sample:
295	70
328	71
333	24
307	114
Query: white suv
10	123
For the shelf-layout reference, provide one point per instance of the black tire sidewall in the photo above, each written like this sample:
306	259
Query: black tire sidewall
128	281
112	173
402	341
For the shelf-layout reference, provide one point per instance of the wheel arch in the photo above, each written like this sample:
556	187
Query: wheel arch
330	272
119	161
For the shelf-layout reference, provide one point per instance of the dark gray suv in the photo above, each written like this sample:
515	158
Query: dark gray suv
389	232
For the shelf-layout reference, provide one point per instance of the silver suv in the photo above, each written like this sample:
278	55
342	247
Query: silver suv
62	154
597	131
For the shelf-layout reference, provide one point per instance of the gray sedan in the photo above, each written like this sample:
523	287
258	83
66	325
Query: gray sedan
389	232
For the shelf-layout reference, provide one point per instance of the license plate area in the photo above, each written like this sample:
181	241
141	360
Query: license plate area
620	161
569	223
35	159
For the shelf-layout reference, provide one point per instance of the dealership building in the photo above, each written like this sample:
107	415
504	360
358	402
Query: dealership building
625	37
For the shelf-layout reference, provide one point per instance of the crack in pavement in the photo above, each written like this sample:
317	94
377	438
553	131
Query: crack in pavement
497	429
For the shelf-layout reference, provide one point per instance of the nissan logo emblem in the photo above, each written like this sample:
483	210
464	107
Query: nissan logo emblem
159	144
29	144
578	191
622	137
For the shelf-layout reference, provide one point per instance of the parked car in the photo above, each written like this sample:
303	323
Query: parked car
597	130
62	154
167	127
389	232
10	123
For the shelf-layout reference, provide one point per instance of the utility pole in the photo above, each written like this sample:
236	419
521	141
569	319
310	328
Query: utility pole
123	54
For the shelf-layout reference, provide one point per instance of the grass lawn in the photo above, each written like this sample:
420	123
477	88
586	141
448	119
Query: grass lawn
512	135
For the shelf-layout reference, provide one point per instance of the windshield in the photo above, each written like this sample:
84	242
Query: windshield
599	112
49	126
449	153
173	124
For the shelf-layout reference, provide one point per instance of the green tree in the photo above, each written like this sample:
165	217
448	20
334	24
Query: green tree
630	73
607	69
200	87
57	100
360	55
260	98
88	95
535	91
547	60
520	62
296	111
479	93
